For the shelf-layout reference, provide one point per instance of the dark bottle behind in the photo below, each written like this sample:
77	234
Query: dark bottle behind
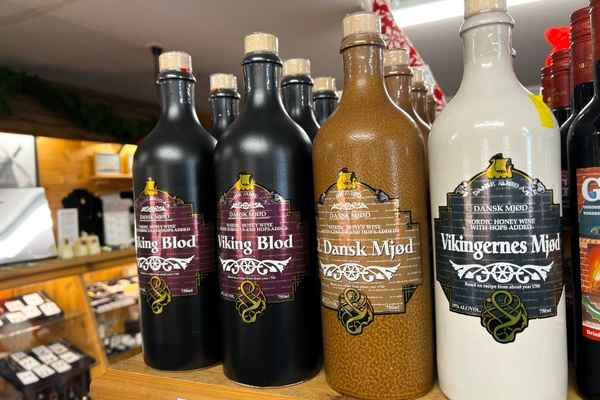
561	85
582	92
546	87
175	218
267	271
296	92
398	81
584	163
418	93
325	98
224	101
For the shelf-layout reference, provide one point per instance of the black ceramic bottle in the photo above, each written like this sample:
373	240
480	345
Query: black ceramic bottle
175	218
267	268
325	99
584	184
224	101
296	91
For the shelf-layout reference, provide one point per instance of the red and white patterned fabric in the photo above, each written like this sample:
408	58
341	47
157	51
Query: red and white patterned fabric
396	39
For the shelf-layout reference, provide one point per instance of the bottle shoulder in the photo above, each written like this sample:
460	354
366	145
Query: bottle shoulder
514	113
171	142
587	122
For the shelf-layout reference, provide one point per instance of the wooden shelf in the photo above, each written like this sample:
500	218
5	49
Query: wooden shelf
131	379
40	271
110	176
118	357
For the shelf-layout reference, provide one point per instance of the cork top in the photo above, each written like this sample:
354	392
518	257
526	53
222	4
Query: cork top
418	75
361	22
324	83
394	57
296	66
175	61
259	42
474	7
223	81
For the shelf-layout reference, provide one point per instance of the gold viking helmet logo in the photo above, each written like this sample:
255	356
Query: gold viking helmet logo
347	180
150	188
500	167
245	182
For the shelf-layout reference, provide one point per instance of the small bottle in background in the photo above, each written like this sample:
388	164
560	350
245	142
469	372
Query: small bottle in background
325	98
296	93
224	101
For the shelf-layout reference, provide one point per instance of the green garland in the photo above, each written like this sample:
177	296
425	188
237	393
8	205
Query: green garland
88	116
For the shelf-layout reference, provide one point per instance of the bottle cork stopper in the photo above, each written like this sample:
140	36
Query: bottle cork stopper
361	22
261	42
418	75
175	61
394	57
296	66
324	83
223	81
474	7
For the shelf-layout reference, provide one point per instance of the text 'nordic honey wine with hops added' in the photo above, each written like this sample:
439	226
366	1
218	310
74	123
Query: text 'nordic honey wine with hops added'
373	233
224	101
296	93
267	273
174	225
496	206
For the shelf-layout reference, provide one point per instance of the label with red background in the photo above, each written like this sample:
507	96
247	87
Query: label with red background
588	209
263	248
174	247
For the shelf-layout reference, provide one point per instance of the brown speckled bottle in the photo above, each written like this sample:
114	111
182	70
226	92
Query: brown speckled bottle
373	230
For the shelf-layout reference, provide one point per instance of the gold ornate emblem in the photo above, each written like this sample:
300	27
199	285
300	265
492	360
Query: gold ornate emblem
150	188
500	167
347	180
355	311
251	301
158	295
245	182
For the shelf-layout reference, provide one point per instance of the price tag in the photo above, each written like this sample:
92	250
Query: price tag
14	305
43	371
70	357
31	312
58	348
60	366
33	299
15	317
50	309
27	377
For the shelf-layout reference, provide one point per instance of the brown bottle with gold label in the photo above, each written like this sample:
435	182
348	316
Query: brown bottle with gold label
373	233
398	79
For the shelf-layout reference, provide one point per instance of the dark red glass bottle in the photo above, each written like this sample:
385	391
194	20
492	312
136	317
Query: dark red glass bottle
584	171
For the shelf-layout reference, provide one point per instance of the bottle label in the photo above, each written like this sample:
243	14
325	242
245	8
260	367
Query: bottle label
498	249
263	248
588	210
175	247
369	252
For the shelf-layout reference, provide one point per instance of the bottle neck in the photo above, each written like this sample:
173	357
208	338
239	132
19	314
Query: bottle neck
487	52
398	87
261	78
224	109
177	98
582	94
297	96
419	101
363	72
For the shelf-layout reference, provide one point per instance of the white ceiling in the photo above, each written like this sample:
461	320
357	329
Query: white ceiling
103	45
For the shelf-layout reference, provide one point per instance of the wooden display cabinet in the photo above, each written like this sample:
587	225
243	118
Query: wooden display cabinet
64	282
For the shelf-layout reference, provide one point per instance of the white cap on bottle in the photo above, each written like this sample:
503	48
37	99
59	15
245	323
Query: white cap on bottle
361	22
418	75
324	83
261	42
474	7
296	66
223	81
394	57
175	61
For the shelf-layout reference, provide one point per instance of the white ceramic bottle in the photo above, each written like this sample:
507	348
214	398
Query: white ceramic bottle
495	201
